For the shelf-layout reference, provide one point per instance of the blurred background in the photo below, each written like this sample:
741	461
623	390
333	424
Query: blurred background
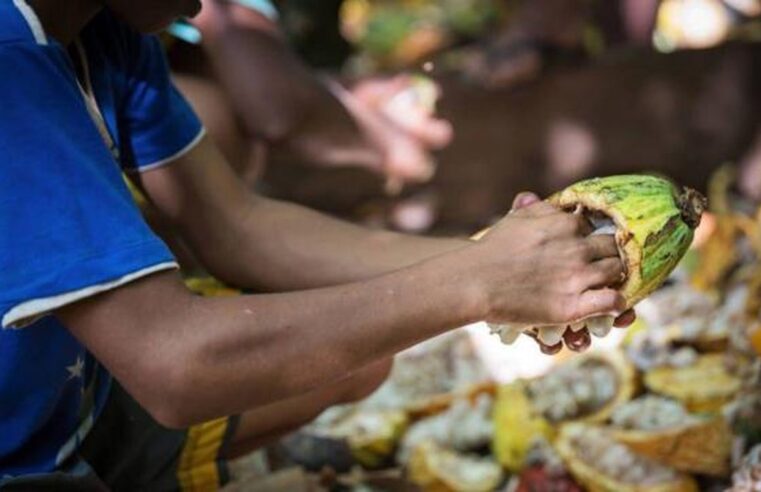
540	94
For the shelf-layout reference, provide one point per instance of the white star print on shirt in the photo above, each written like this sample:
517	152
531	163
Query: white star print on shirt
77	368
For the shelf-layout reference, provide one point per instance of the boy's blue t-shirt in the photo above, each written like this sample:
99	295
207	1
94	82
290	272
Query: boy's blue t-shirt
69	226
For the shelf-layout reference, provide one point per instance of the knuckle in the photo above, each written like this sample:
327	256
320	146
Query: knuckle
572	252
542	232
599	278
572	309
580	221
570	223
577	283
582	251
573	278
608	245
613	270
563	310
561	224
618	271
556	314
544	235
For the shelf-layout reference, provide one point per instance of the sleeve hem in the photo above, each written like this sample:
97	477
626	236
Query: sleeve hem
30	16
162	162
27	312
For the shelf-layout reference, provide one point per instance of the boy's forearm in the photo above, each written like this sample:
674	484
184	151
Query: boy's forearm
281	246
313	337
190	359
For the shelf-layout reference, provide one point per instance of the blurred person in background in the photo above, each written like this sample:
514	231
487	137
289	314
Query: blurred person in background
254	93
544	31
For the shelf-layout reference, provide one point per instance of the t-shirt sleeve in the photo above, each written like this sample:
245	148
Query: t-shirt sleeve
69	227
158	123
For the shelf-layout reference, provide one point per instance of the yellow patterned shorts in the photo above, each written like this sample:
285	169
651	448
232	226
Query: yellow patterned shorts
128	450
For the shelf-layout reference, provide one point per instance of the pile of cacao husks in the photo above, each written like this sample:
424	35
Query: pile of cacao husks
676	407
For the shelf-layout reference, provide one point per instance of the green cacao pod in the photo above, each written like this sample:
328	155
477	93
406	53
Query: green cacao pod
654	223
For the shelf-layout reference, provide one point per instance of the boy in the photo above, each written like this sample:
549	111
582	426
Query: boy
93	293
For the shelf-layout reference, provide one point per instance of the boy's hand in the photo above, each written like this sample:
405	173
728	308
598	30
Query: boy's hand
543	269
577	341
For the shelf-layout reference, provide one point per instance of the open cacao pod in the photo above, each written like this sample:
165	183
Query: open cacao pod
517	425
662	430
587	388
600	464
613	378
652	222
437	469
704	386
354	436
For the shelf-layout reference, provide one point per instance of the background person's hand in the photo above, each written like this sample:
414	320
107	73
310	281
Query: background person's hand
409	102
400	123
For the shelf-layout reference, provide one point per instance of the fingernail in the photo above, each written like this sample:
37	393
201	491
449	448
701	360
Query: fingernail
577	326
600	326
577	341
625	319
551	335
551	349
525	199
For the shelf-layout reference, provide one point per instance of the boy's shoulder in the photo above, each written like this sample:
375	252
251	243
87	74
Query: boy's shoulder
19	24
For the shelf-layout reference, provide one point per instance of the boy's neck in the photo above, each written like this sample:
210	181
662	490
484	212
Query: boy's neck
64	20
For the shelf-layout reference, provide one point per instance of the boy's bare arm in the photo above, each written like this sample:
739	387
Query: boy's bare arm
255	242
188	359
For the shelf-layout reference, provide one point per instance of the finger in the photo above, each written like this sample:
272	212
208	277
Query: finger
393	186
602	246
598	302
550	349
627	318
537	209
407	161
578	341
566	224
583	225
394	84
435	133
545	349
375	91
604	273
524	199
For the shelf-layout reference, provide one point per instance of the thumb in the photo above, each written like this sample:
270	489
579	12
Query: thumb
599	301
524	199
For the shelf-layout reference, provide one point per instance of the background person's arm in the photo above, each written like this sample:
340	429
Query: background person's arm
278	98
